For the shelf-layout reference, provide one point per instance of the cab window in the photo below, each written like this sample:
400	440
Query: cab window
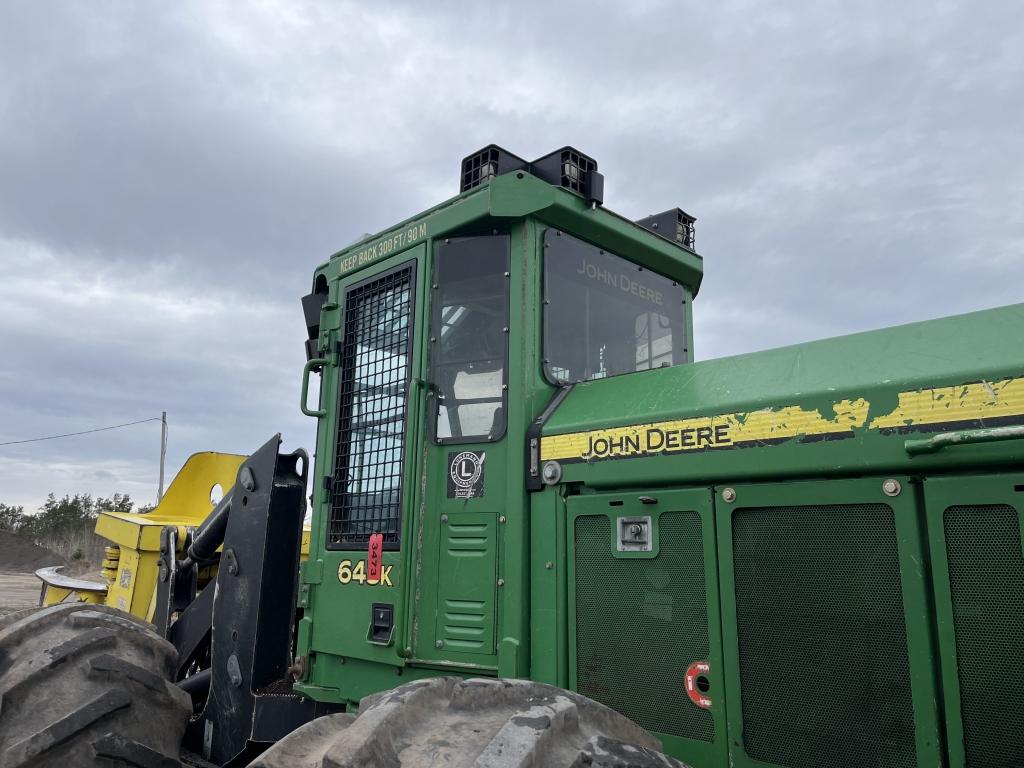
605	316
469	338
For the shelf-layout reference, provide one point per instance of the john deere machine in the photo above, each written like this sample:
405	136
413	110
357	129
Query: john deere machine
543	535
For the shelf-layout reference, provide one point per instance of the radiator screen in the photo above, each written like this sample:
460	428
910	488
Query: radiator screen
641	622
986	579
824	669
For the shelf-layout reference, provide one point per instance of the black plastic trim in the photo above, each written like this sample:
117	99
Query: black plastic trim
533	435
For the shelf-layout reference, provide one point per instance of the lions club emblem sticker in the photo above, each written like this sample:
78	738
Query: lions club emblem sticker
466	475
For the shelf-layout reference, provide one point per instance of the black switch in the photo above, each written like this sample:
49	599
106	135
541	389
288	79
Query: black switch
381	623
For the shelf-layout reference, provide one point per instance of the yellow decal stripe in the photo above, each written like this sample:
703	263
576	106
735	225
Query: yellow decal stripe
963	402
704	432
939	405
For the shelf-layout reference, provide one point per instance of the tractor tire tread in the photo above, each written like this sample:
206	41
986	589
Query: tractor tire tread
484	723
131	753
87	685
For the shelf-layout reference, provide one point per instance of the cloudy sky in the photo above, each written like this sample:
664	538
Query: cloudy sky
170	174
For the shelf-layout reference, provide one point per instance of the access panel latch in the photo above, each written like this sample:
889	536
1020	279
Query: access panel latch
634	534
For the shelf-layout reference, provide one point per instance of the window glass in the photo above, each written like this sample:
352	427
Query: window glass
469	339
604	315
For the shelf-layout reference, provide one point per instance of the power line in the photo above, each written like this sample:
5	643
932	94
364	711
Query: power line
85	432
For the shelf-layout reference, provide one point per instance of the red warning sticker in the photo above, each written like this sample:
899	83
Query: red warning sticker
694	683
373	557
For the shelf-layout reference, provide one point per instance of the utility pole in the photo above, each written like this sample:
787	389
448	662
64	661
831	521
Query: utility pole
163	453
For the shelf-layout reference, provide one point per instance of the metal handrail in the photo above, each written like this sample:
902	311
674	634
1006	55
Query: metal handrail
962	437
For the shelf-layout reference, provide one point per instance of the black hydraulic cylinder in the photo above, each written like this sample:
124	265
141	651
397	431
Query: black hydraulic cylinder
210	534
197	685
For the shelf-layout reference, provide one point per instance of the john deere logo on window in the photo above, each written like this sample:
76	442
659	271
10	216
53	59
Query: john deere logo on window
466	475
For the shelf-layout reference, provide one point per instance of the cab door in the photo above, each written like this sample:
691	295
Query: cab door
465	451
372	398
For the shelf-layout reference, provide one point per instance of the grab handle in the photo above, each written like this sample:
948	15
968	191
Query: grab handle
315	364
962	437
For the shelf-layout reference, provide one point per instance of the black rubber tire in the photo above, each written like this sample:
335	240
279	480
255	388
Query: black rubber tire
86	685
481	722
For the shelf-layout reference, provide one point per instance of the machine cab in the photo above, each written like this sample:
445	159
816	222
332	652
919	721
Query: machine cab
440	344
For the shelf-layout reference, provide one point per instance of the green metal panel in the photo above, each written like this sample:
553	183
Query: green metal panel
638	620
467	575
826	616
549	661
975	526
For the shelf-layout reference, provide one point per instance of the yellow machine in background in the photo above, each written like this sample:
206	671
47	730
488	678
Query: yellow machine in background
131	562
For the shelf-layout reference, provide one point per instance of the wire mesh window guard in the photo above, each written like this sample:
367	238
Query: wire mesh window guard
376	351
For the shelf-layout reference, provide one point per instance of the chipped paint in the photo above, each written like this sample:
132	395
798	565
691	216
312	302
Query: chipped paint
973	402
980	403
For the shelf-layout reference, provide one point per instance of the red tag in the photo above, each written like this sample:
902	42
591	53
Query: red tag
373	557
695	670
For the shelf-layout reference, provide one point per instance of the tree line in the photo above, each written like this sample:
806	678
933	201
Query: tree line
60	517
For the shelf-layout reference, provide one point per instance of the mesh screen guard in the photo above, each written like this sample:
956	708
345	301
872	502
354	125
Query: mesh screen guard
376	352
824	665
986	580
641	622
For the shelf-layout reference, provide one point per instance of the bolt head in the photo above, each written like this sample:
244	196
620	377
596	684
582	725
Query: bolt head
247	478
891	487
501	582
439	644
729	495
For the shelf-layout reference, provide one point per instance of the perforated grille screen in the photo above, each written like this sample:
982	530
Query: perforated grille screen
641	622
824	670
986	578
366	490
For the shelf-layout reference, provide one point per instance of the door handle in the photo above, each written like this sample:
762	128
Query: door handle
316	363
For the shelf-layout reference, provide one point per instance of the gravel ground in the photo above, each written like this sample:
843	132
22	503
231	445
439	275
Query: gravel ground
18	590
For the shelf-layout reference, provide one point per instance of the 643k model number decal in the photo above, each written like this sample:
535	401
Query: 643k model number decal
349	571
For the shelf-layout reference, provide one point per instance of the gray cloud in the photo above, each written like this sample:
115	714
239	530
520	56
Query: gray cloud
170	175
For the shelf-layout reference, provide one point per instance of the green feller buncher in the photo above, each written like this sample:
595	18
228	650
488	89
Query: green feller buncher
543	535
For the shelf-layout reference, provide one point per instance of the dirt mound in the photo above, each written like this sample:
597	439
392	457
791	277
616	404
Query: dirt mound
21	555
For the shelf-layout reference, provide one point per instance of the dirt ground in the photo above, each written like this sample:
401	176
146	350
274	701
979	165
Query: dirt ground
20	555
19	558
18	590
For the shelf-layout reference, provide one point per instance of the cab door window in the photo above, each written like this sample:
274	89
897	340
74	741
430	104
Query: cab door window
469	339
